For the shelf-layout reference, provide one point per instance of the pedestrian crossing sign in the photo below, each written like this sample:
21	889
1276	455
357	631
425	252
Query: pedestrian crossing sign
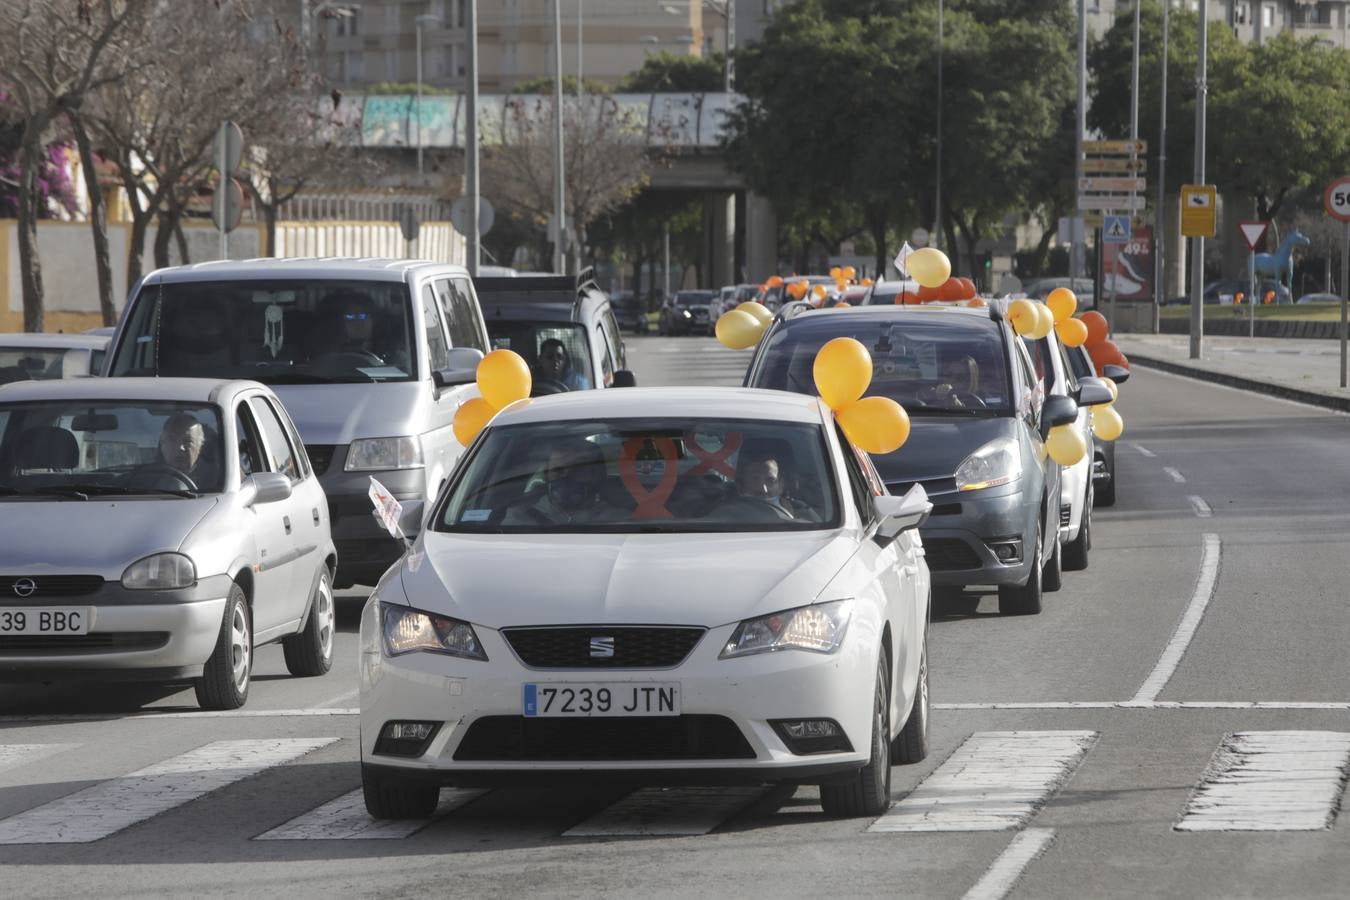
1116	229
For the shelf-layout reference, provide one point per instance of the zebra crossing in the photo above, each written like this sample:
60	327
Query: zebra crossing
992	781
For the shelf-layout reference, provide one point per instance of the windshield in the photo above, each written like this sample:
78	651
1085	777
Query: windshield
645	475
556	352
929	367
85	448
30	363
276	332
694	298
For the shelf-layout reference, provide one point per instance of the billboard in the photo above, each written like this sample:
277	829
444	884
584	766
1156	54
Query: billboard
1128	267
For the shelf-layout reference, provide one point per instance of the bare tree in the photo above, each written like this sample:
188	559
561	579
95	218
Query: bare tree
53	53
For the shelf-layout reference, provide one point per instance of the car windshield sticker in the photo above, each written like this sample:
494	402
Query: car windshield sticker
717	459
476	515
381	371
649	468
272	329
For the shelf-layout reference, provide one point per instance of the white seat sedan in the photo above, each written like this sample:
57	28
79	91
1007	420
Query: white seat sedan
157	529
657	585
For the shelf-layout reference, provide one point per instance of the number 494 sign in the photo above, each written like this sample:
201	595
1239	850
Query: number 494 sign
1337	199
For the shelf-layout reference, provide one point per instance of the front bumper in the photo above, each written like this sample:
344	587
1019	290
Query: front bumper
155	633
962	536
364	549
746	692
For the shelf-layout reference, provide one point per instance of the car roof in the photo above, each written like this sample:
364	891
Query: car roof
188	390
315	268
682	402
47	341
927	312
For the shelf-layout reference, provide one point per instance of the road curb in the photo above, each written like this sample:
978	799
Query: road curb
1326	401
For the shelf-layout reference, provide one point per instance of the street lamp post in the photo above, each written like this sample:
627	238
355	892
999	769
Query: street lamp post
421	20
474	248
559	189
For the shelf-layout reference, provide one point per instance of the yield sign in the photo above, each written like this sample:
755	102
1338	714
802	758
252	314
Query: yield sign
1252	232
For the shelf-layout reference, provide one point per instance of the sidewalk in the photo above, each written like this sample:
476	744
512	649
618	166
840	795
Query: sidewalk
1305	370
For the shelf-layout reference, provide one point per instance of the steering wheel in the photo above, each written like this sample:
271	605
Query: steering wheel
149	473
970	400
544	386
757	509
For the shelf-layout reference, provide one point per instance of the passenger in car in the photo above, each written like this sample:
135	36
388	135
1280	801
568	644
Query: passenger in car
574	478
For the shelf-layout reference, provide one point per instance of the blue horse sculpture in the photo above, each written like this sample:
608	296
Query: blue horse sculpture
1280	264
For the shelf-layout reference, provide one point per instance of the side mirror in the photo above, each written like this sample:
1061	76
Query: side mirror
1091	392
266	487
1118	374
900	514
624	378
463	368
1064	411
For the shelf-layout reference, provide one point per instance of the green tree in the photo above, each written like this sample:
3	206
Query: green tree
666	72
544	85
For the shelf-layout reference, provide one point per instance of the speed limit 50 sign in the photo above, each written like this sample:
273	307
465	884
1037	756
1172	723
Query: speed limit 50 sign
1337	199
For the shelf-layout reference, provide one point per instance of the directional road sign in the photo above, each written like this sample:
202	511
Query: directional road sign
1199	204
1111	185
1110	201
1115	165
1252	232
1115	148
1116	229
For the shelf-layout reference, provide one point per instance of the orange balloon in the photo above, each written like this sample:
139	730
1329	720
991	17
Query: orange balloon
952	289
1269	298
977	302
1062	303
967	288
797	290
503	378
1238	298
1072	332
1105	354
774	280
866	282
1096	326
876	424
929	294
471	418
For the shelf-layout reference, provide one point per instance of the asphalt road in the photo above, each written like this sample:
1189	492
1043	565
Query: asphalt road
1212	616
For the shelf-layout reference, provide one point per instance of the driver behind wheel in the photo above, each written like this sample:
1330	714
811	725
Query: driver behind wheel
764	478
959	379
356	324
182	446
555	365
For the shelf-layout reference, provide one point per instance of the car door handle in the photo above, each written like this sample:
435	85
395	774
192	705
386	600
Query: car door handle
315	511
286	520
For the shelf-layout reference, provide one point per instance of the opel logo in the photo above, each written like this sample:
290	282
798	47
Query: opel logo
27	587
602	648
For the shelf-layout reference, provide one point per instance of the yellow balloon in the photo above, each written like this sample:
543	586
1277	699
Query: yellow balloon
758	311
1065	445
470	419
842	370
739	330
503	378
820	290
1062	303
850	273
876	424
1022	315
1107	423
929	267
1045	321
836	273
1072	332
1111	386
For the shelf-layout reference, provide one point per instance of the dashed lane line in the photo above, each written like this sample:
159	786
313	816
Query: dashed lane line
1201	508
345	818
1271	781
995	781
1174	475
1011	863
1144	451
1205	586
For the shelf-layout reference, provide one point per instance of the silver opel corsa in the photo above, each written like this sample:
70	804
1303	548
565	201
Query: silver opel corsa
157	529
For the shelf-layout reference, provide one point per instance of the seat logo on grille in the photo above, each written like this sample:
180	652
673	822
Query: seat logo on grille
602	647
27	587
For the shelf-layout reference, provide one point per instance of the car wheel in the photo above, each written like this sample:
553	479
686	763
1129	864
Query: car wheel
869	792
1076	551
1051	578
225	678
310	652
1106	496
911	744
1023	599
389	798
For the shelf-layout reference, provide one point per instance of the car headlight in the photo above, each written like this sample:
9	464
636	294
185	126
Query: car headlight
374	454
819	627
411	630
686	313
997	462
161	572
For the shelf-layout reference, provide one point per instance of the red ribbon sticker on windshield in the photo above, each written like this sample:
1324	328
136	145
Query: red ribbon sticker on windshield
713	460
651	504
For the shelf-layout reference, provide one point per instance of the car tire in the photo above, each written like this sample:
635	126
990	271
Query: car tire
1023	599
1106	496
389	798
310	651
868	793
911	744
1076	551
229	670
1052	578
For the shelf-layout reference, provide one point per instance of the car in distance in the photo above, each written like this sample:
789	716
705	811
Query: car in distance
35	357
688	312
164	529
673	584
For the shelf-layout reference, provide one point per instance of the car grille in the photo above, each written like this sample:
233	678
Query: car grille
633	648
517	738
1065	515
107	642
931	486
949	554
49	586
320	456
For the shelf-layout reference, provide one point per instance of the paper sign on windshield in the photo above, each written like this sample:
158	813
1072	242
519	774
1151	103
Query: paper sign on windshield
387	509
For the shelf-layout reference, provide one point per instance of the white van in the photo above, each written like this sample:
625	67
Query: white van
371	357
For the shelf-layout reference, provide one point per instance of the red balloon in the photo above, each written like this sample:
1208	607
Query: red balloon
1096	326
952	289
927	294
1105	354
967	289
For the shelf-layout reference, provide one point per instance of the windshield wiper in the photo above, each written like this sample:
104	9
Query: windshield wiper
85	491
293	378
950	411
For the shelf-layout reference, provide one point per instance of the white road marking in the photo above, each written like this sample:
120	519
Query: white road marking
1271	781
995	781
1201	508
154	714
1309	705
1190	622
1144	451
334	701
1011	863
346	819
667	811
1174	475
111	806
15	755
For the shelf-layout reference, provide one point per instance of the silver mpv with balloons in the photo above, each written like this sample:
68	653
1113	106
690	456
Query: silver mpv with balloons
158	529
